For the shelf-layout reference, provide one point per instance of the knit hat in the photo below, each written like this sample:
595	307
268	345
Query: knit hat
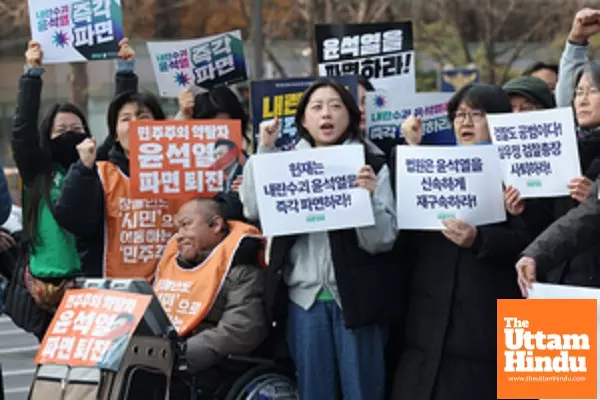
532	88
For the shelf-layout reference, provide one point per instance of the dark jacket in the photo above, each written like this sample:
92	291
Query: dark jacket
31	160
581	268
5	198
572	240
450	342
237	322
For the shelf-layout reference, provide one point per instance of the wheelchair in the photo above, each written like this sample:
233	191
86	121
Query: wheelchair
154	367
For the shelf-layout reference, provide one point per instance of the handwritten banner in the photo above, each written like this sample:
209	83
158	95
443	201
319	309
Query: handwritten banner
382	52
385	113
538	150
279	98
92	327
311	190
440	182
176	159
198	64
76	30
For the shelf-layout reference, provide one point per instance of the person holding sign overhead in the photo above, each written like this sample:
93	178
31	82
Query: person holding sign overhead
457	276
126	235
334	292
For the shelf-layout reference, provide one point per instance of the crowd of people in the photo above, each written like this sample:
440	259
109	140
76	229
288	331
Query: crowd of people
362	313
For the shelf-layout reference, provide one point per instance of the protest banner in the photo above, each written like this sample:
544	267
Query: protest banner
76	30
279	98
180	159
198	64
440	182
92	327
386	111
547	345
538	150
381	52
311	190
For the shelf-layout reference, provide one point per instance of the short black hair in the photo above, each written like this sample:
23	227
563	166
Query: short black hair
145	99
539	65
210	207
221	99
365	82
491	99
225	142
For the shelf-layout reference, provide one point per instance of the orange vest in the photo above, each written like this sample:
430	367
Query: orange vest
135	230
187	295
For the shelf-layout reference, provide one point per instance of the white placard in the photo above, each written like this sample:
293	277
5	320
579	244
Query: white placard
311	190
198	64
538	150
76	30
434	183
386	111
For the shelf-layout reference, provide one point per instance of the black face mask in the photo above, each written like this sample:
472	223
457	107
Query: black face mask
63	148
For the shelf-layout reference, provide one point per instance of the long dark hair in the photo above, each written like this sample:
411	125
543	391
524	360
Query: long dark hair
353	130
221	99
39	190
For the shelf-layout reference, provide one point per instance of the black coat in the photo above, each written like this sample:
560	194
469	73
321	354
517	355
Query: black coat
582	268
572	241
31	161
449	351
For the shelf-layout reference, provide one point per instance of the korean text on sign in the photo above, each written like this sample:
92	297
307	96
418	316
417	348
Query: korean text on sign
376	51
146	226
198	64
171	159
439	182
386	111
538	150
76	30
311	190
175	298
87	324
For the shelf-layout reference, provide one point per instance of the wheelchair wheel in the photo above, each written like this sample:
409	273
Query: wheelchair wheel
264	382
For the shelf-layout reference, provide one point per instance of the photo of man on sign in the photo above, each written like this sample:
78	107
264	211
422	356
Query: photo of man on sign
227	159
119	338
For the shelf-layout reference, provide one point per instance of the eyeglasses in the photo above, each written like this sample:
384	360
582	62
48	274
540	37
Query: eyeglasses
475	115
580	92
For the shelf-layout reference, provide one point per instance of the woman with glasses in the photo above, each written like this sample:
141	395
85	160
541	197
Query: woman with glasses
545	259
449	350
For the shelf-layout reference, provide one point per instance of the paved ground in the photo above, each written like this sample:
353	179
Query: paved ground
17	350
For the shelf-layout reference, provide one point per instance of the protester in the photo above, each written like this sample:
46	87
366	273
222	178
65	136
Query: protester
586	24
458	275
96	196
43	158
341	284
126	80
572	239
544	71
230	317
528	93
218	103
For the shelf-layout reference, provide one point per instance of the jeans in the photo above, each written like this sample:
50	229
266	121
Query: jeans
333	362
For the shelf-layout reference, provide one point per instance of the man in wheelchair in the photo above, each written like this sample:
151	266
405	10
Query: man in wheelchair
210	282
